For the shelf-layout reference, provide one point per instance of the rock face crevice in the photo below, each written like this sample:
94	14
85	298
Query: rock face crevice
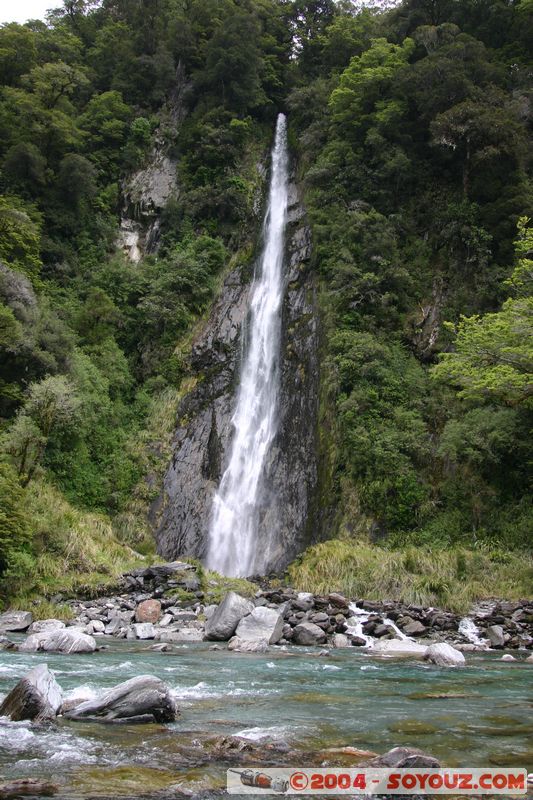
203	436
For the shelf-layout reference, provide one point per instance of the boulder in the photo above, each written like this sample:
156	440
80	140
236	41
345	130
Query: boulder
222	624
27	787
444	655
414	628
6	644
15	621
148	611
405	757
37	696
183	635
496	635
247	646
507	657
340	640
307	633
262	624
141	699
399	648
46	625
144	630
529	659
63	640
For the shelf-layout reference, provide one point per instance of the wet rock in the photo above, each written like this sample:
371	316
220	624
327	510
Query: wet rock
15	621
262	624
507	657
340	640
144	630
67	640
141	699
444	655
183	635
247	646
400	648
37	696
405	757
24	787
46	625
496	636
6	644
307	633
95	626
223	623
414	628
161	648
148	611
338	601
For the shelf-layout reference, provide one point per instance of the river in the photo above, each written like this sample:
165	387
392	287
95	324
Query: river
475	716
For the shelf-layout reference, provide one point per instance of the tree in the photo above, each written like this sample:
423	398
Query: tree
15	539
20	237
51	408
493	355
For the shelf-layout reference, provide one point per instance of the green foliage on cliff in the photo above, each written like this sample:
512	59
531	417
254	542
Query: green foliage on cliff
413	153
410	129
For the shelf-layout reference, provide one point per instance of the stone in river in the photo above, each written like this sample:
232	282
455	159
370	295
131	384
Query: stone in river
37	696
405	757
222	624
24	787
401	648
15	621
307	633
141	699
46	625
247	646
144	630
148	611
340	640
496	635
64	640
444	655
262	624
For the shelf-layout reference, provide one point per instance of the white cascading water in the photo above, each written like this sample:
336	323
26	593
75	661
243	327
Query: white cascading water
469	629
233	548
355	626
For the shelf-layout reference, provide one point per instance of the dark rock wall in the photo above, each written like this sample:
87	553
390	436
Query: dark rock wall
203	436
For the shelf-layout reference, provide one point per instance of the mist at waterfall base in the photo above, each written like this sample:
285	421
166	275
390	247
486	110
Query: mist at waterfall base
232	545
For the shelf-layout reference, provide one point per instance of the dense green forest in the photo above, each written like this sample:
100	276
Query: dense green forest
409	128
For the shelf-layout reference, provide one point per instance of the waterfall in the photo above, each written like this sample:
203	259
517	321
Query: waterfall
233	548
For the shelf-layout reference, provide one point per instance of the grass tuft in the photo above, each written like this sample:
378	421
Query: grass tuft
452	579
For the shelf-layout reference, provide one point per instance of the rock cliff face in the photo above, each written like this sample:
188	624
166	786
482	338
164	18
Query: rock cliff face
146	192
203	436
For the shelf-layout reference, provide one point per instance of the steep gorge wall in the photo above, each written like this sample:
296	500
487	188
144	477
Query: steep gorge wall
203	436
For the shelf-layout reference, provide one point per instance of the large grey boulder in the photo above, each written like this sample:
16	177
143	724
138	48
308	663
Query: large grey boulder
405	757
444	655
65	640
144	630
183	635
307	633
247	646
15	621
223	623
262	624
141	699
46	625
399	648
339	640
37	696
496	635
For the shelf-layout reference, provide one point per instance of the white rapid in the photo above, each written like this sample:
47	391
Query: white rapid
359	616
469	629
233	548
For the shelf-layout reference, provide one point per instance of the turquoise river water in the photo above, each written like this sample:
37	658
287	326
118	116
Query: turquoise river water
477	716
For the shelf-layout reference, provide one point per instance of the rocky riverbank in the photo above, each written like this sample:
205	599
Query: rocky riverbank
166	604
